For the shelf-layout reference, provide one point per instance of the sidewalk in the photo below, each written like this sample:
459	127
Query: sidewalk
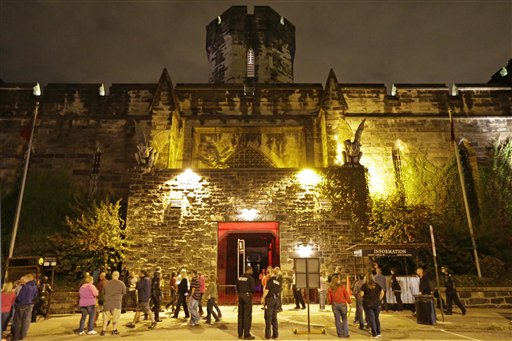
478	324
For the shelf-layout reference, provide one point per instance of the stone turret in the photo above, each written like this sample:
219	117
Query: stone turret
259	46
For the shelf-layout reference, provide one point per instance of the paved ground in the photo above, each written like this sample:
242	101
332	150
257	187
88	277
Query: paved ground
478	324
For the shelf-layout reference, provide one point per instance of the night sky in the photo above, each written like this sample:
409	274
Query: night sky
387	42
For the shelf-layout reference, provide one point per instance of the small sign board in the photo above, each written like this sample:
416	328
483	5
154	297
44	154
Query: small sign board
383	250
49	261
307	272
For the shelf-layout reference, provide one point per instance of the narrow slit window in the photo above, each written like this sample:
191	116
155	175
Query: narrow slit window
250	63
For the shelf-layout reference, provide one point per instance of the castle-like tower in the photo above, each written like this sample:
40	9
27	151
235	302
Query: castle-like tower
258	47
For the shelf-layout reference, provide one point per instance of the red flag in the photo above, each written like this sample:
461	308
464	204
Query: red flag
26	130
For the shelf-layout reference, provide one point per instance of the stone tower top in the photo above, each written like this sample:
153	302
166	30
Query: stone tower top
259	46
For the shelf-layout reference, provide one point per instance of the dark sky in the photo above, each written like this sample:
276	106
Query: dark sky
78	41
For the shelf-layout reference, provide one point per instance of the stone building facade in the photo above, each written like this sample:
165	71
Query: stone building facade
247	137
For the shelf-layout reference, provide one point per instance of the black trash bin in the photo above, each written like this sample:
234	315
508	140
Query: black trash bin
425	309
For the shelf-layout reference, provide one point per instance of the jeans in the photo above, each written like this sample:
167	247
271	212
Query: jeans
321	299
360	313
193	307
372	314
6	317
21	321
182	301
89	310
209	309
340	313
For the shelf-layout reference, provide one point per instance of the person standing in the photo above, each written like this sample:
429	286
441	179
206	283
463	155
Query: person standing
245	288
338	296
359	302
8	297
270	302
173	291
211	296
322	290
425	287
195	298
182	294
143	296
372	295
380	279
113	292
102	280
88	294
23	305
297	294
451	293
156	294
202	289
131	295
397	289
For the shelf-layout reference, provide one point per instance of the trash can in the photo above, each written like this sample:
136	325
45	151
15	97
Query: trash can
425	309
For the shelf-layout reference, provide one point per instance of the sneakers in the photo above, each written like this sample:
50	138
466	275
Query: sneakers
81	333
131	325
92	332
115	332
152	325
102	333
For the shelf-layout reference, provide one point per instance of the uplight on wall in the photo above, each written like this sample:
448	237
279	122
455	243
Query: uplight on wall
308	178
188	179
248	214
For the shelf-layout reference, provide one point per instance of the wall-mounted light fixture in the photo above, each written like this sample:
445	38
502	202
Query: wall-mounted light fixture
248	214
308	178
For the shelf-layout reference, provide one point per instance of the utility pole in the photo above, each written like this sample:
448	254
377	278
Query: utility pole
464	195
24	179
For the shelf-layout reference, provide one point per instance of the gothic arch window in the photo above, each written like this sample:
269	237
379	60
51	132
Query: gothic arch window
249	158
250	63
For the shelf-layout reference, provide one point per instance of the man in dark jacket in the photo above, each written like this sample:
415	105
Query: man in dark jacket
451	293
144	295
23	306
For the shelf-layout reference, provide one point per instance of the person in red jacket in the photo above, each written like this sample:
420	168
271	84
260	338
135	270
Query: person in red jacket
8	297
338	297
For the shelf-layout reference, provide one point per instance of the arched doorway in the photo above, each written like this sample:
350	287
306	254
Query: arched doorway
261	250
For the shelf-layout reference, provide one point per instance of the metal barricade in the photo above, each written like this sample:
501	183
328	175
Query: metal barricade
227	295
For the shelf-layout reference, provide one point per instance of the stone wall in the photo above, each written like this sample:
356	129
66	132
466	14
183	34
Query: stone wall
486	297
174	237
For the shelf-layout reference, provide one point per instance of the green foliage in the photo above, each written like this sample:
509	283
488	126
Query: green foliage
93	239
495	191
432	196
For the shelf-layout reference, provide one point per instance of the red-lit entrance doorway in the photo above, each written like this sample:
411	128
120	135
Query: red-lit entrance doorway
261	249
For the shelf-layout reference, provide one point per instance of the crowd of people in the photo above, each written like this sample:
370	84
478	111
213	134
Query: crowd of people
25	300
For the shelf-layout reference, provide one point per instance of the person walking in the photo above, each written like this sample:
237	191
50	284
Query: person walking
322	290
113	292
143	296
211	296
359	302
245	287
8	297
156	294
372	295
338	296
88	294
182	294
195	298
23	305
41	305
451	292
270	302
380	279
397	289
